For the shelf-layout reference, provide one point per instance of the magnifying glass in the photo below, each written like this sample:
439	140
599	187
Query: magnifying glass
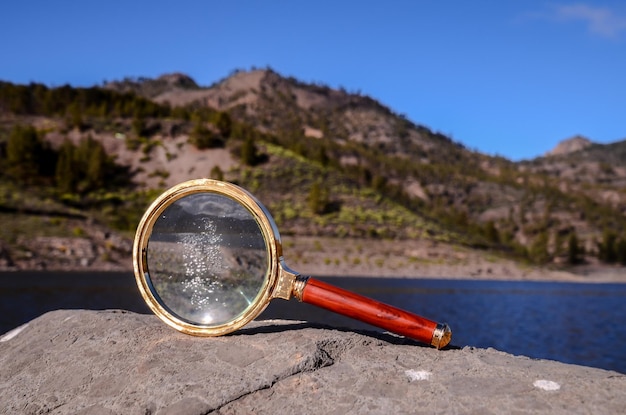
208	259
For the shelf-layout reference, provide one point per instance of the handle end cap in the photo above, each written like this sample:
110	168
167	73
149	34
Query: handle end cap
441	336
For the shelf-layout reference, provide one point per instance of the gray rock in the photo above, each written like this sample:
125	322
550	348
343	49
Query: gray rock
116	362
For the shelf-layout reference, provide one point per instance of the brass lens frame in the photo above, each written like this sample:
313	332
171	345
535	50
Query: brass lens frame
279	279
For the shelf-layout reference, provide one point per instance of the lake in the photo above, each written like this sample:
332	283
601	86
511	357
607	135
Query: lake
568	322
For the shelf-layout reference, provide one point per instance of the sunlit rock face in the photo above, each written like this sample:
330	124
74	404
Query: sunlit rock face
117	362
570	145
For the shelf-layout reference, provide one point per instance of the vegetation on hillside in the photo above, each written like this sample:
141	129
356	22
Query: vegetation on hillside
367	172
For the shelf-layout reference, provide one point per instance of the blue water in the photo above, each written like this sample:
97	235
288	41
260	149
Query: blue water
568	322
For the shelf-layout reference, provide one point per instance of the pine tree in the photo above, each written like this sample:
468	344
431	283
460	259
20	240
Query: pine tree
74	116
217	173
621	251
82	168
538	250
249	152
65	175
574	250
491	232
204	138
607	248
25	154
224	124
95	169
138	125
91	159
318	199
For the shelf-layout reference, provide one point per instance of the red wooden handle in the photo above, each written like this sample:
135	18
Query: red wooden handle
375	313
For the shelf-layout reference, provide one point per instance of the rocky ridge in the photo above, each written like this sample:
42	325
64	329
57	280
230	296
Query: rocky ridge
570	145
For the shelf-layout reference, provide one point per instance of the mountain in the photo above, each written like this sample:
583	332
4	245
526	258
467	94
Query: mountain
266	99
578	162
325	162
353	129
570	145
152	88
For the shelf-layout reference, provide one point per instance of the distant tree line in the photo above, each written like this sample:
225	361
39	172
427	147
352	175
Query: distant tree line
77	105
67	101
78	169
83	167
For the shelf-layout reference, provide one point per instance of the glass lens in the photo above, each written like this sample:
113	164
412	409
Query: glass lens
207	260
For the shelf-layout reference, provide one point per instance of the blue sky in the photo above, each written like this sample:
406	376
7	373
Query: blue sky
505	78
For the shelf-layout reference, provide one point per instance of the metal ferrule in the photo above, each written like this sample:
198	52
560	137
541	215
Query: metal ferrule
441	336
298	286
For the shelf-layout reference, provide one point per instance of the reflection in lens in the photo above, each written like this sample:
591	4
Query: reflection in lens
207	259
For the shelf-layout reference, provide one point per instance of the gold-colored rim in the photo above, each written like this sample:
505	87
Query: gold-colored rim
270	236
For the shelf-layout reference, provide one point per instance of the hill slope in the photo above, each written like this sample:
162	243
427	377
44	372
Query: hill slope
378	175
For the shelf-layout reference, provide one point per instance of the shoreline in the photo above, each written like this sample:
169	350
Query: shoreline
367	258
323	256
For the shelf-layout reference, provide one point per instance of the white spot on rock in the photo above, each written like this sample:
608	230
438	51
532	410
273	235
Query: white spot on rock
11	334
414	375
546	385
